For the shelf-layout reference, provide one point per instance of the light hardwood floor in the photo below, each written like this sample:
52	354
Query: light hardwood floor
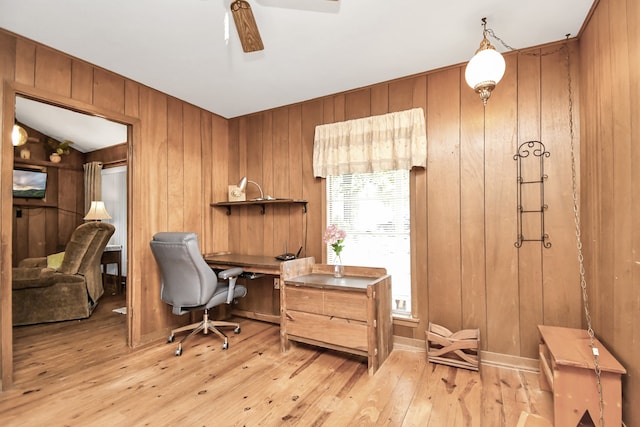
81	373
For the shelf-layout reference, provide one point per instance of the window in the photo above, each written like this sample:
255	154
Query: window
374	211
114	195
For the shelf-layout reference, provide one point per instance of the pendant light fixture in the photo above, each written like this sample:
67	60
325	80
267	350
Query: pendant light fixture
486	68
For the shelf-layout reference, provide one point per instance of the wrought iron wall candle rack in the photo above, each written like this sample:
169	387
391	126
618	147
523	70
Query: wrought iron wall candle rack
531	204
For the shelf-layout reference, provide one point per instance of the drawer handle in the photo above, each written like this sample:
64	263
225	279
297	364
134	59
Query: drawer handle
289	316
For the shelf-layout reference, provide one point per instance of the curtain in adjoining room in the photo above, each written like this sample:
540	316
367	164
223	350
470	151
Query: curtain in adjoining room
92	183
387	142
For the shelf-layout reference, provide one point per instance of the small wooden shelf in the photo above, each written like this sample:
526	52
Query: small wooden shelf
33	162
262	204
34	204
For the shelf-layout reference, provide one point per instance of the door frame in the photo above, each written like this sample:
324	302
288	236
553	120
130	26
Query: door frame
11	90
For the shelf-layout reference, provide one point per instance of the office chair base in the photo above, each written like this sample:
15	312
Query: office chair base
205	326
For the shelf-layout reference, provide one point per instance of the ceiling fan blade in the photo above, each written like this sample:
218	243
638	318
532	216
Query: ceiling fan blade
246	26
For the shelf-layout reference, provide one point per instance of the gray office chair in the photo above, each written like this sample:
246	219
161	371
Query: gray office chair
188	283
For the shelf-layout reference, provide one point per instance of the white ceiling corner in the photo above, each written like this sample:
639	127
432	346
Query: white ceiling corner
313	48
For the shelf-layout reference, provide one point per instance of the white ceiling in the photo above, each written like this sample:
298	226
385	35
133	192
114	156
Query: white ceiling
313	48
88	133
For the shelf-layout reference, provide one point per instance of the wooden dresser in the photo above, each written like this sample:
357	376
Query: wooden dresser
350	314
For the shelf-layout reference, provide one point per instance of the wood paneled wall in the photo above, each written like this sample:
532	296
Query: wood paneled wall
177	167
467	272
610	85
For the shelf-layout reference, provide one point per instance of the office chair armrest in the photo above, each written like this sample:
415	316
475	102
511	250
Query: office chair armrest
231	275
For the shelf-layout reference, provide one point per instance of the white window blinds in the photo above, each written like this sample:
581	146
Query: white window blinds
374	210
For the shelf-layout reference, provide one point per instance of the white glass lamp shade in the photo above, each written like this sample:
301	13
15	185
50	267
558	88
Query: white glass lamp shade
97	212
485	70
18	136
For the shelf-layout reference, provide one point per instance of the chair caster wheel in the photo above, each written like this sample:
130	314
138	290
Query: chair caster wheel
179	352
170	339
225	345
237	330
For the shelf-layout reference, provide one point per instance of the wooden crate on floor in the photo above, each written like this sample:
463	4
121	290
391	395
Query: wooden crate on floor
459	349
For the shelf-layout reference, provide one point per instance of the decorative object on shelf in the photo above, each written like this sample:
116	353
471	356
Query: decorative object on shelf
531	192
485	70
97	211
401	304
25	153
236	195
58	149
18	136
334	237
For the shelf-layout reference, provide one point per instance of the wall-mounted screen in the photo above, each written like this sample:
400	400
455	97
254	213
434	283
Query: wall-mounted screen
29	183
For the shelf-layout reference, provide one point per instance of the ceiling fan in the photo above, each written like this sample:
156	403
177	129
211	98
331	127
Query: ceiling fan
246	26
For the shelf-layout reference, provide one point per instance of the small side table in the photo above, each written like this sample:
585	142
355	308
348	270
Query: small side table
112	255
568	371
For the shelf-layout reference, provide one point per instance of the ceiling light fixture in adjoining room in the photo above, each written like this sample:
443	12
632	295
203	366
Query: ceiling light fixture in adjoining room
18	136
486	68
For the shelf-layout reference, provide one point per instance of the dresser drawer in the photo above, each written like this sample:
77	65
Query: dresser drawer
332	330
343	304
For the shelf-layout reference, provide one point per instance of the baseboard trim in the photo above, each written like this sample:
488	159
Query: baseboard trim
509	362
487	358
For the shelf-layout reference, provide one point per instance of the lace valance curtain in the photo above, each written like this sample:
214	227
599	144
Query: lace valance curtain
372	144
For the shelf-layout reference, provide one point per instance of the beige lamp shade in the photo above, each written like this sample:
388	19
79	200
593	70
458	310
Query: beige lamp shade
18	136
97	212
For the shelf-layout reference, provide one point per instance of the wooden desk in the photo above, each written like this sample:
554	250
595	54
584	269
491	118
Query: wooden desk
567	370
112	255
350	314
263	298
250	263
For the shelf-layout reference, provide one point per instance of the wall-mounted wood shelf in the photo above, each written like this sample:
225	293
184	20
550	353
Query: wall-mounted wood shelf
261	203
35	204
33	162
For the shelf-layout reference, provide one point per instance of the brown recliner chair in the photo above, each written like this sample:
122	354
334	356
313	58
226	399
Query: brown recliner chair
43	294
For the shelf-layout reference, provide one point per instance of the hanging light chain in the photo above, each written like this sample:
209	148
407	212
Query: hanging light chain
576	217
503	43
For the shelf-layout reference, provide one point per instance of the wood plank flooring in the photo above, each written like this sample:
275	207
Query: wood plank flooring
81	373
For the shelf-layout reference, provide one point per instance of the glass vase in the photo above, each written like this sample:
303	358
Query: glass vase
338	268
